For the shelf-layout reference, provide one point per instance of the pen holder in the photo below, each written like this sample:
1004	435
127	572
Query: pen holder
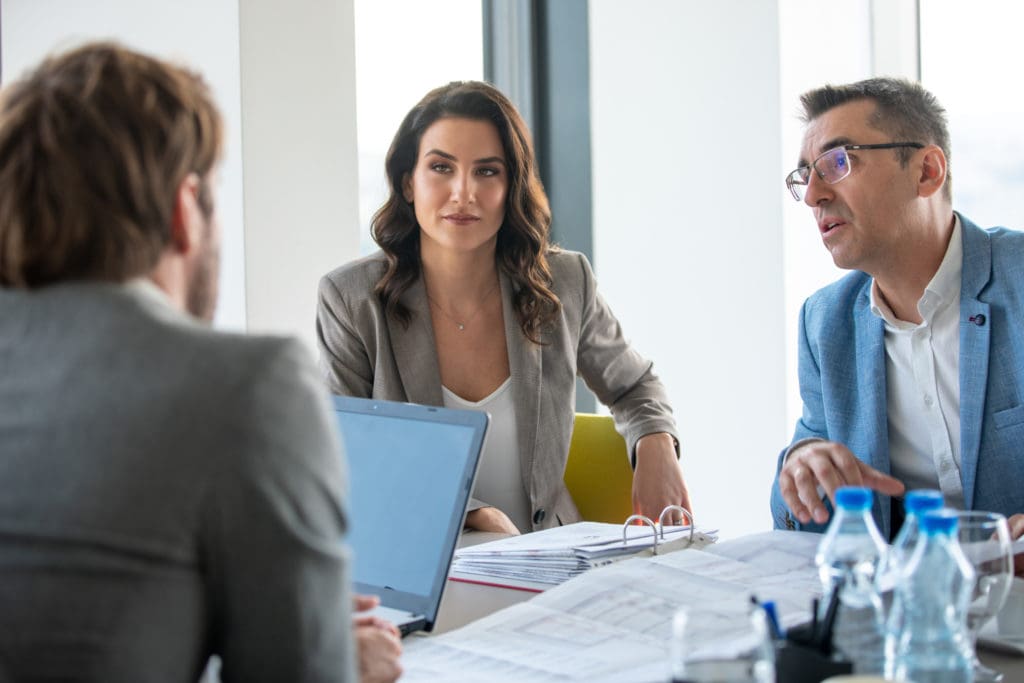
798	663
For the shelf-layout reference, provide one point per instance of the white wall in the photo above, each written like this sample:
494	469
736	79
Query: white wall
202	34
688	232
283	75
299	136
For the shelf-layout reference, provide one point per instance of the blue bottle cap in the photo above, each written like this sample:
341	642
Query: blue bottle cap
920	501
853	498
939	522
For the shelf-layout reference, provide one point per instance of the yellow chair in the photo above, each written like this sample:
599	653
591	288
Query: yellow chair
597	473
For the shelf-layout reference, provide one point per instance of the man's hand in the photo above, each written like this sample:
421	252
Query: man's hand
491	519
377	642
1016	531
657	480
829	465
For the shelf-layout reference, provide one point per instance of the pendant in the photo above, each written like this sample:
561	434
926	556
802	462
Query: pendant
461	326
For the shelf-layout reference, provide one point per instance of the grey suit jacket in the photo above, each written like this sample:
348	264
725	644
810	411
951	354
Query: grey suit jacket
365	353
167	492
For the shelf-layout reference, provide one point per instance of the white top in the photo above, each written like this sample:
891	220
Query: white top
499	480
922	365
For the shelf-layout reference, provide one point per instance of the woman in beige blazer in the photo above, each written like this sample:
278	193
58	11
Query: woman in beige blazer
468	305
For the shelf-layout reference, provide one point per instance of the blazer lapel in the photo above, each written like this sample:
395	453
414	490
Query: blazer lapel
416	351
975	327
524	360
872	398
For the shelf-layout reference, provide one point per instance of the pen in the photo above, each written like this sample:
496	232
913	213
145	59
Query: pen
823	639
771	616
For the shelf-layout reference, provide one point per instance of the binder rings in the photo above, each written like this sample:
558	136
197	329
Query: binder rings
542	559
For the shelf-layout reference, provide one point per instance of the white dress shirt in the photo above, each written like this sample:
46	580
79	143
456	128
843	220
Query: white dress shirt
923	384
499	479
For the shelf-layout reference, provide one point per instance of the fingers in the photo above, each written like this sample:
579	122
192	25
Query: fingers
658	483
362	603
883	483
378	623
816	467
379	653
1016	524
826	466
799	487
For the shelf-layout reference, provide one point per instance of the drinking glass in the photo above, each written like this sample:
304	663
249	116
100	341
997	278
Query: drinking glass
727	642
985	540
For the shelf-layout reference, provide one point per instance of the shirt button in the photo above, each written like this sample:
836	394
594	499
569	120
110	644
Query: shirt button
539	515
928	400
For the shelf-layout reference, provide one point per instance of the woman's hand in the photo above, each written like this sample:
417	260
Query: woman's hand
491	519
657	479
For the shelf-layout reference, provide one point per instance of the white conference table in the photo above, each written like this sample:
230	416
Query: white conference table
466	602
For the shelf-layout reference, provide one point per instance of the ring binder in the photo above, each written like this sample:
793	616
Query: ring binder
659	528
549	557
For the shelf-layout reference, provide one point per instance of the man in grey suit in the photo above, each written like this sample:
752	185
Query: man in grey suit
167	492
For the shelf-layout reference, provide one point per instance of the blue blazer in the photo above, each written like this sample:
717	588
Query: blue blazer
843	382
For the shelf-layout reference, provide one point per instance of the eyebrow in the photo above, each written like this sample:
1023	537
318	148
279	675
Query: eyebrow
450	157
830	144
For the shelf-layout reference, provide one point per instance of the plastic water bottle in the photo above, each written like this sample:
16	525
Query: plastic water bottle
916	504
848	558
927	640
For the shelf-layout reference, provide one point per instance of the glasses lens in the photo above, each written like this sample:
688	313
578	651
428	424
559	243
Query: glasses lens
797	182
833	165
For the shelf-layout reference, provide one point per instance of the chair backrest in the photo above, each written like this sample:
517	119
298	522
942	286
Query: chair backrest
597	473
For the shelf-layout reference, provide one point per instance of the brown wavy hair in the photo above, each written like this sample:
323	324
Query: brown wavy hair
522	242
93	145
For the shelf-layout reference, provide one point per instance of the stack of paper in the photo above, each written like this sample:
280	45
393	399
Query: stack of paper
614	624
547	558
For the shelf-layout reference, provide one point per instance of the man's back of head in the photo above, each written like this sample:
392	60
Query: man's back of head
167	492
93	145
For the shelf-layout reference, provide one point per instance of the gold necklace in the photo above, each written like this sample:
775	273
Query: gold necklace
480	307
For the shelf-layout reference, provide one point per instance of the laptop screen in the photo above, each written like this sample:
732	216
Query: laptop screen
411	470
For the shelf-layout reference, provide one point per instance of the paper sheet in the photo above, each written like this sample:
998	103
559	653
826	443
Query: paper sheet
614	623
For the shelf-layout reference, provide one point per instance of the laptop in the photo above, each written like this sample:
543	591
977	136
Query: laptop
411	471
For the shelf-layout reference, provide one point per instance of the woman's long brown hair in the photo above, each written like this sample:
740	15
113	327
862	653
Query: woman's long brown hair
523	237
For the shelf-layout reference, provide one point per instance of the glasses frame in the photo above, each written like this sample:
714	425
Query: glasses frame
801	177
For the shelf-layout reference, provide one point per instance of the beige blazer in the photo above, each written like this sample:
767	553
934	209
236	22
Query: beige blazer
365	353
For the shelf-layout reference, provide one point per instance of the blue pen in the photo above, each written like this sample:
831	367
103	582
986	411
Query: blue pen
771	615
773	618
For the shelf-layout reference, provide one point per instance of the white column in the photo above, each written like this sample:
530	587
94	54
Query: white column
688	229
300	161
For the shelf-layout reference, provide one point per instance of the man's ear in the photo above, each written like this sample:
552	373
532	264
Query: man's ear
187	219
933	171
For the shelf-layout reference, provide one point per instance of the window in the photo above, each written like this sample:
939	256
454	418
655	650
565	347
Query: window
404	48
970	59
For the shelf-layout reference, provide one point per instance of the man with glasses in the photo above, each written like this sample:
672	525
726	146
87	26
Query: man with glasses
912	366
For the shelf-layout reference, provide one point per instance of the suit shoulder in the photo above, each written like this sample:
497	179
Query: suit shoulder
837	300
360	275
568	268
1006	242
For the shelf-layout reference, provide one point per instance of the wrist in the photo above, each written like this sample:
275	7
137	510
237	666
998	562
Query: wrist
659	443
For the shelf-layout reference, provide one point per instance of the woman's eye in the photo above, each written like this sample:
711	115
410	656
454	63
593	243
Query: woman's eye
440	168
487	172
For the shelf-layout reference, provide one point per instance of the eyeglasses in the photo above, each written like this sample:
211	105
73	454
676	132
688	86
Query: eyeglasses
833	165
